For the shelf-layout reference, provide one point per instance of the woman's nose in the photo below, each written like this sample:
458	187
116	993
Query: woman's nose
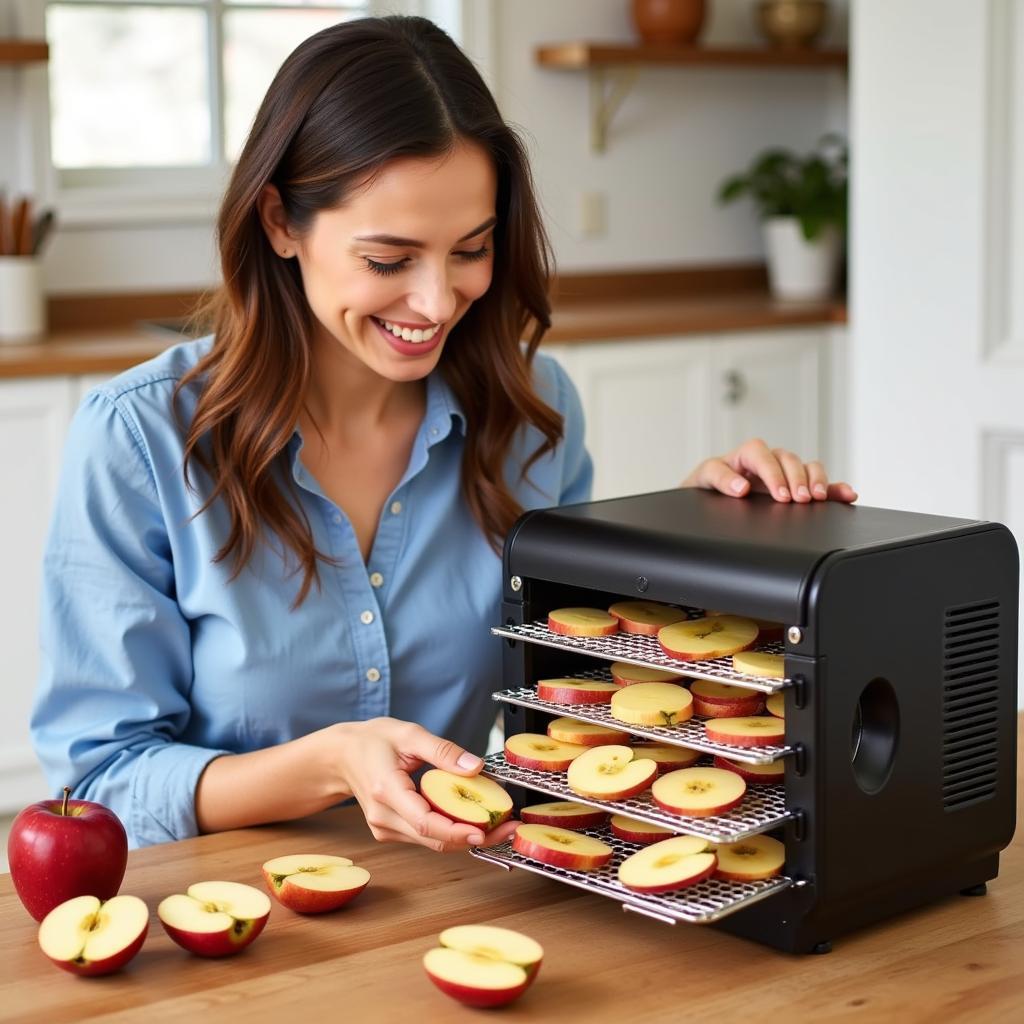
434	296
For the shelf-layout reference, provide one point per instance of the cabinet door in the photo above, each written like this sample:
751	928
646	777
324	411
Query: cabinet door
769	385
647	412
34	416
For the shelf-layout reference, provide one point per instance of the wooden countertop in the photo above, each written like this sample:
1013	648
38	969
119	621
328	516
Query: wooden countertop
959	960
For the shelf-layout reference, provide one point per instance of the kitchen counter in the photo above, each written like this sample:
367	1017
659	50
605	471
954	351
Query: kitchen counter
958	960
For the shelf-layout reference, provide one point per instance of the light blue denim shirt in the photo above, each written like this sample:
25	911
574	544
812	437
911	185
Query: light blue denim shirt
153	663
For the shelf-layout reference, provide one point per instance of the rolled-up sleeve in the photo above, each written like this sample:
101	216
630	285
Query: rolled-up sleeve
116	658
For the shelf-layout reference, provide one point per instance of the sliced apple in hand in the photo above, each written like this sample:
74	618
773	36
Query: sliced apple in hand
480	965
541	753
215	918
87	936
776	705
564	814
576	691
582	622
312	883
611	772
642	832
757	663
699	792
703	639
758	731
644	617
587	734
668	865
473	800
750	860
652	704
757	774
561	848
625	674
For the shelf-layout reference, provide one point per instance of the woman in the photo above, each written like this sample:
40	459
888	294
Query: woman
275	552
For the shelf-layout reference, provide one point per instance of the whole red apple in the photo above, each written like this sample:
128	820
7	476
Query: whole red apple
59	849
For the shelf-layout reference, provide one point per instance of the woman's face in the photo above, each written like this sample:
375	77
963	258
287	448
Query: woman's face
392	271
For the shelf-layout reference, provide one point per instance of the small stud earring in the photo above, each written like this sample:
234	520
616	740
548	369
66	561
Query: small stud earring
285	252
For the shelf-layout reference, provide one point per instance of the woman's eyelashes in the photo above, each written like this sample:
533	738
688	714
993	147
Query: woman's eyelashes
386	269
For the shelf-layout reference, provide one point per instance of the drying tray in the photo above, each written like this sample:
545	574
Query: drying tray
707	901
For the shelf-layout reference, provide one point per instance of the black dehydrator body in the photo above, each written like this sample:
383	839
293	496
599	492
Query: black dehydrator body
902	657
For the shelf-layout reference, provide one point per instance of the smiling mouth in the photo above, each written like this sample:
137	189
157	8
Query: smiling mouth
417	336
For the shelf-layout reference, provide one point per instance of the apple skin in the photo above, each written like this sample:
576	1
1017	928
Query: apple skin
217	944
310	901
481	998
95	968
740	709
675	886
55	857
558	858
586	818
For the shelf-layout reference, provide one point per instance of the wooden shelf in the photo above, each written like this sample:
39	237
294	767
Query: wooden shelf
577	56
23	51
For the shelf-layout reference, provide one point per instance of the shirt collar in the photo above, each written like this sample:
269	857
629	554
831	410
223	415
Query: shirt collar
443	407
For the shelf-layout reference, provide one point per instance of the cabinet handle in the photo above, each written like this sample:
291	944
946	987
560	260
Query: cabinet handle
735	387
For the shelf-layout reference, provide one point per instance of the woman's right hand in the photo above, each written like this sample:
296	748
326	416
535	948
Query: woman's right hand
377	759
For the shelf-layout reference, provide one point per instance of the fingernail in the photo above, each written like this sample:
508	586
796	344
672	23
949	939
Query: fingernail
475	839
783	492
738	484
467	761
802	492
820	490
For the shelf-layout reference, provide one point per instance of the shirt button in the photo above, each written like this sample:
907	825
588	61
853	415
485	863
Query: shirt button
434	431
396	507
373	675
376	580
337	517
366	618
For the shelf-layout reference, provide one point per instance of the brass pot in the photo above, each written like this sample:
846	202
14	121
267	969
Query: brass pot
668	22
792	23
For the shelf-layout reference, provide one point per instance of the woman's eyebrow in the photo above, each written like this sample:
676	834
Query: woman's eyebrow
414	244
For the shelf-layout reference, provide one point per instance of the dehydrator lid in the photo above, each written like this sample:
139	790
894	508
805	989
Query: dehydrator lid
752	556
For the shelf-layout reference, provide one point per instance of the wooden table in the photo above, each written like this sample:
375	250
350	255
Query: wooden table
957	961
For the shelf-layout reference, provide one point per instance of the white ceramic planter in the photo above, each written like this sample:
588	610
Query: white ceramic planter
798	269
22	306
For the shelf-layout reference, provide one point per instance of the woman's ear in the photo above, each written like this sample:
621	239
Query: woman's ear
275	221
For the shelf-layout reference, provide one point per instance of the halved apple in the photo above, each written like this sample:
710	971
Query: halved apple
587	734
312	883
215	918
561	848
610	772
475	800
582	622
757	731
576	691
541	753
625	674
757	774
668	865
642	832
481	965
776	705
89	936
699	792
644	617
757	663
703	639
666	756
750	860
564	814
652	704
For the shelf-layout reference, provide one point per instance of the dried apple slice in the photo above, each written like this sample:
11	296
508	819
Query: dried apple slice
750	860
652	704
561	848
756	731
625	674
589	734
756	774
576	691
776	705
757	663
644	617
666	756
642	832
541	753
610	773
669	865
564	814
582	622
472	801
699	792
704	639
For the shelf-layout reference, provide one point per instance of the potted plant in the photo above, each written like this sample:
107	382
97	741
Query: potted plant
802	204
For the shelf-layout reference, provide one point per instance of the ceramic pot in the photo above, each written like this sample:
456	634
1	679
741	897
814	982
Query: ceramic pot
668	22
798	269
792	23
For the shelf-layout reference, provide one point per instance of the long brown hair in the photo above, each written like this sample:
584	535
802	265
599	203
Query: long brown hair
346	101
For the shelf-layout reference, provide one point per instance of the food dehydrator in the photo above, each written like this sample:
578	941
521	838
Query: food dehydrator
900	654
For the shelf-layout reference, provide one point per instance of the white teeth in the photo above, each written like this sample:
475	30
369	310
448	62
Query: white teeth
415	335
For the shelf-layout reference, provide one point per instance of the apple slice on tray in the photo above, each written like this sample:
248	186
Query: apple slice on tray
750	860
643	832
564	814
587	734
652	704
481	965
313	883
576	691
625	674
644	617
699	792
712	699
561	848
668	865
610	772
473	800
756	774
582	622
704	639
776	705
757	663
767	629
215	918
541	753
88	936
756	731
666	756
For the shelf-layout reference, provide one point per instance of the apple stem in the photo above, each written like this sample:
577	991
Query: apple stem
64	805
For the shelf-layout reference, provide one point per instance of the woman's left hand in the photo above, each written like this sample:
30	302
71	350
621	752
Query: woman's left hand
753	466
